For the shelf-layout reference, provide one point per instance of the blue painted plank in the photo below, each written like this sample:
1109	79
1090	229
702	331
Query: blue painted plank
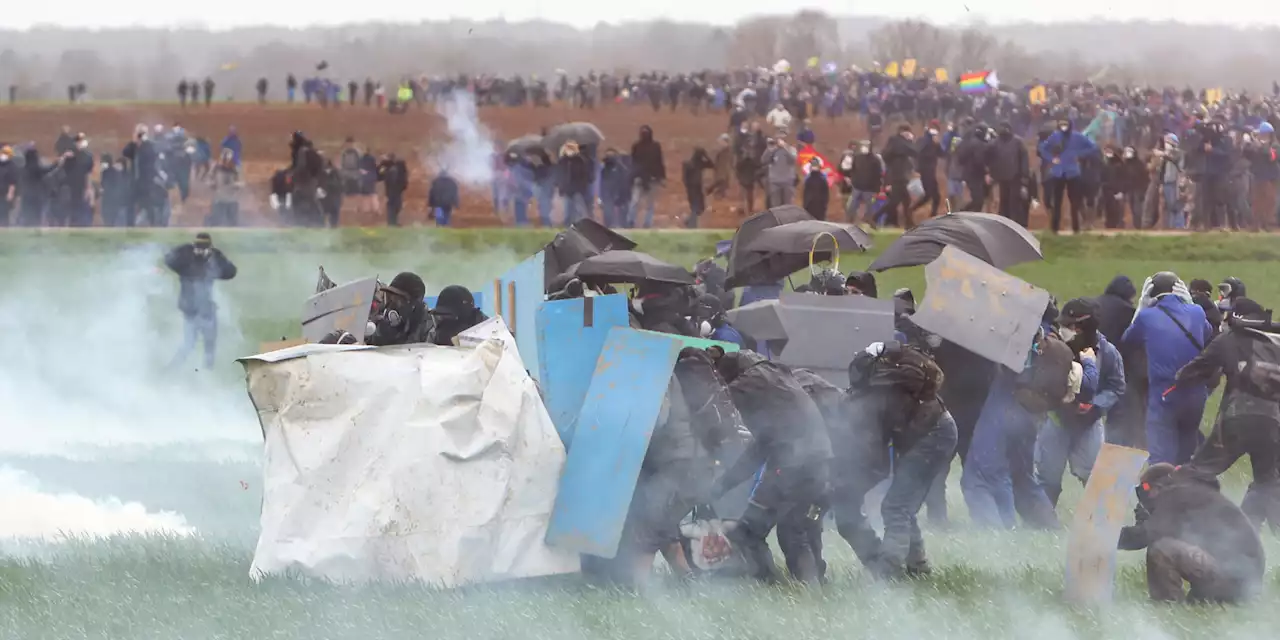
568	351
617	419
522	316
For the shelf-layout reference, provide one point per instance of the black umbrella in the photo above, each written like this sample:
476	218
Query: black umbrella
583	239
798	238
525	143
583	133
747	267
996	240
631	267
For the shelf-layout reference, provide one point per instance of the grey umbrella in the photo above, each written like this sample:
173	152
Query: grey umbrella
583	133
747	267
798	238
524	143
996	240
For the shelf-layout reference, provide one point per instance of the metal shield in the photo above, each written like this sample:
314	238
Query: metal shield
981	308
345	307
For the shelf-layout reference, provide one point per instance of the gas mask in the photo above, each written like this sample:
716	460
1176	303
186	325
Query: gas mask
202	252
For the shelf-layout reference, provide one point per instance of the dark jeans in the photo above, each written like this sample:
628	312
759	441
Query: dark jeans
5	208
1171	562
1259	438
899	201
977	194
791	500
1074	191
913	475
195	327
395	202
932	194
1011	201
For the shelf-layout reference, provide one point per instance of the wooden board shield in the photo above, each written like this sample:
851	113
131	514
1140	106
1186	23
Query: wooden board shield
618	416
1104	509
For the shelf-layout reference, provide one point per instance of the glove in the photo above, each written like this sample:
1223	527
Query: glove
1083	408
1088	354
875	349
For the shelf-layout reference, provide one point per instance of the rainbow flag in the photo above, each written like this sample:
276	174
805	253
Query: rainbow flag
975	82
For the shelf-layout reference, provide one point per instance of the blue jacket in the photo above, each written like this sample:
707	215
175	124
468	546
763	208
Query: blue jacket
1068	148
1218	159
726	333
1103	384
1168	349
232	142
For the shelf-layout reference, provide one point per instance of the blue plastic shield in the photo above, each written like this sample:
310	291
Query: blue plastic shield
570	336
618	416
517	295
1095	529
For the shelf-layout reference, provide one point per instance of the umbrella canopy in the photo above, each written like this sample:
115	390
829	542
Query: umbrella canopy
583	133
798	238
524	143
583	239
747	267
996	240
632	267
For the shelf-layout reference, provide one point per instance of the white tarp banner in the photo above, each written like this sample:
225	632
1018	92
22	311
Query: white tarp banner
436	464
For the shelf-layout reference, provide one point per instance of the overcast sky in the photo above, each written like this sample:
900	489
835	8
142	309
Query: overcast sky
585	13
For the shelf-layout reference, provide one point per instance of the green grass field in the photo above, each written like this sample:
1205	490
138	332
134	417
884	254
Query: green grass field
89	320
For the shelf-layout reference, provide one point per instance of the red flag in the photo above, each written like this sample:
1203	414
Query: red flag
806	154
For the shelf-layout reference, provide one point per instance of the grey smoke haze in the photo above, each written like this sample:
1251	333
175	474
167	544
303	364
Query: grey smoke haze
145	63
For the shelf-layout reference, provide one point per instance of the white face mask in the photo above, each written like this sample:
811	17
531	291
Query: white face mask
83	144
933	132
1128	155
864	149
1067	334
106	166
1063	129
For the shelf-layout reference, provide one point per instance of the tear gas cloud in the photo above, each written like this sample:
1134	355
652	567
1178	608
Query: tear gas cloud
468	156
33	513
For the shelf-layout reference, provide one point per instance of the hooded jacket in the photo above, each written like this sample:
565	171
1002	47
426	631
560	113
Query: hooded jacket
972	157
443	193
817	194
1007	160
1116	306
615	180
196	276
647	166
779	162
1227	356
864	170
1103	386
899	159
1069	148
1167	347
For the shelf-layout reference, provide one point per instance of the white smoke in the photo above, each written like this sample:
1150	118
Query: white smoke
33	514
468	156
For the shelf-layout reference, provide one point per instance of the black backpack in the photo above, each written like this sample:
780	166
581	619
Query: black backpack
912	371
1261	373
1049	377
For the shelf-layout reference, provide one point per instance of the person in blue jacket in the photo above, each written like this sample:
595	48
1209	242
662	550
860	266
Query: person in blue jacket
1062	151
1073	433
1172	331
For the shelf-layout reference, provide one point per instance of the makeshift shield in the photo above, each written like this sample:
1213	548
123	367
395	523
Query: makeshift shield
1095	529
981	308
517	294
821	333
571	334
618	416
345	308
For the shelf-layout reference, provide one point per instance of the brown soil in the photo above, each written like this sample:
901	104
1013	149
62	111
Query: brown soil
265	130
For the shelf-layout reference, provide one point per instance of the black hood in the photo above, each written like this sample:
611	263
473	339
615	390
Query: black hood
646	134
1122	287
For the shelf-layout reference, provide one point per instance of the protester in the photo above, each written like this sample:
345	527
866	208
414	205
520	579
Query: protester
443	197
928	152
198	265
899	156
1063	150
455	312
400	314
393	173
817	191
692	172
225	182
779	162
1010	167
649	173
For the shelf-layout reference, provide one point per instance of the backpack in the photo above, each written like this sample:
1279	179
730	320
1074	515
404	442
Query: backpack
1047	380
1261	373
910	370
350	160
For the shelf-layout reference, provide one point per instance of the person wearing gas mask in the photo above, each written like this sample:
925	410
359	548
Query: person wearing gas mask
713	325
1063	150
455	312
1171	330
198	265
899	160
399	314
1230	290
9	178
1202	293
1010	166
790	441
1248	355
1073	433
893	398
928	153
662	307
863	173
1193	534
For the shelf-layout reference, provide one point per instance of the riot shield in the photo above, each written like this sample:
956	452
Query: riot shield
345	307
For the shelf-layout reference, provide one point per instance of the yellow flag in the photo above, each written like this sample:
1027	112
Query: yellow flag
1038	95
940	74
1213	96
891	70
909	67
230	66
813	62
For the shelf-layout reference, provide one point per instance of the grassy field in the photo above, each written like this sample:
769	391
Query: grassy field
90	321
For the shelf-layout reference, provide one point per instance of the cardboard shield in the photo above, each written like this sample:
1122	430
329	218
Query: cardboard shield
981	308
821	333
345	307
1095	529
618	416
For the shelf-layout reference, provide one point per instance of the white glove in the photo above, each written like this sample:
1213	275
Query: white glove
1088	355
319	192
275	202
705	330
875	349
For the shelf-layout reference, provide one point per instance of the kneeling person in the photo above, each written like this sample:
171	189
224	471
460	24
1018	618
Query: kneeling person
1192	533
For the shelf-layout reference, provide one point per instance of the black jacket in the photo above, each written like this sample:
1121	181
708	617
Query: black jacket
817	194
899	159
928	153
444	193
575	175
1116	308
394	176
647	166
972	157
196	276
1227	355
1195	512
1007	160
